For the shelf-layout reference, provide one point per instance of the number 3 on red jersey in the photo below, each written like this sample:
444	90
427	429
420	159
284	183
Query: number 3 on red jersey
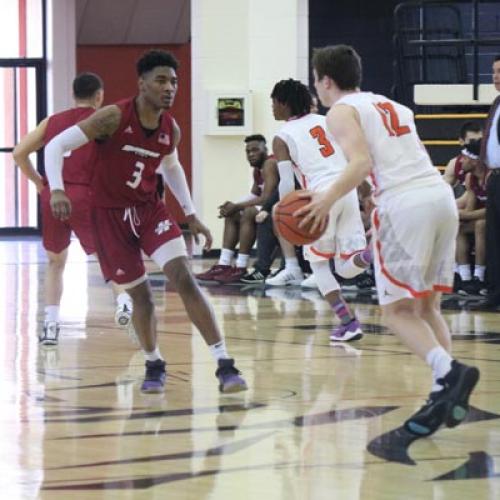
319	134
136	175
390	119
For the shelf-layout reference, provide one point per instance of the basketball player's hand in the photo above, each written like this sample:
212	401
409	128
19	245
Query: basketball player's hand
197	227
60	204
316	210
228	209
222	209
261	216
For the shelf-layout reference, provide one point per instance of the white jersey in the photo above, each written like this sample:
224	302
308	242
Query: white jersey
317	159
399	157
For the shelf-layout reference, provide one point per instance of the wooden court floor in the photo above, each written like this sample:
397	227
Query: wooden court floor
318	422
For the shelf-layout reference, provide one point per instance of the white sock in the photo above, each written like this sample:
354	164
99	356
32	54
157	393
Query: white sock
218	350
242	260
51	313
292	264
464	271
153	356
479	272
440	362
226	256
123	299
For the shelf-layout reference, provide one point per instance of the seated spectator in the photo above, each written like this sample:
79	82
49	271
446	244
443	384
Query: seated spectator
269	246
454	173
239	223
472	223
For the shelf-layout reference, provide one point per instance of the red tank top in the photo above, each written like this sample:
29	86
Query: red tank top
78	164
479	190
258	178
126	162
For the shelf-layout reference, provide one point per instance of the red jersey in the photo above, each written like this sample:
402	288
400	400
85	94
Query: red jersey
258	178
479	190
126	162
78	164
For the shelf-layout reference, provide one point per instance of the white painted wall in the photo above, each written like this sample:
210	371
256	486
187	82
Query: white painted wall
239	44
459	94
61	54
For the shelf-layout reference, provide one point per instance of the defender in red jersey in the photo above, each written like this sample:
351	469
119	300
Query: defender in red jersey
78	165
135	138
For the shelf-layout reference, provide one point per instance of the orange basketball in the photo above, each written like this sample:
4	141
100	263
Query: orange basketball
288	226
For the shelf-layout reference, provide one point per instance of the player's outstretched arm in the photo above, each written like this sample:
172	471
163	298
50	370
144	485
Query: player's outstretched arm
175	178
29	144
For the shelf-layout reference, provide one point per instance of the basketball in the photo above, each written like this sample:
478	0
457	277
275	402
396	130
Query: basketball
287	225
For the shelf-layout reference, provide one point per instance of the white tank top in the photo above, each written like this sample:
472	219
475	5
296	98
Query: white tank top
399	157
317	159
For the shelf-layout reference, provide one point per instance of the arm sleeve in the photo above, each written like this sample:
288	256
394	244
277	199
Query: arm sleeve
287	183
174	177
69	139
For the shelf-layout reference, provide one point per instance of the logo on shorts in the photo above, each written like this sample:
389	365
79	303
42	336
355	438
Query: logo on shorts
120	272
163	227
129	130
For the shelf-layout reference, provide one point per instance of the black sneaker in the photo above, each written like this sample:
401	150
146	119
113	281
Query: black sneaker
429	418
467	287
365	281
479	286
458	383
229	376
448	406
156	374
254	277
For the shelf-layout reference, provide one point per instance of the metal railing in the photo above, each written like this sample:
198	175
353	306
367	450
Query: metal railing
474	41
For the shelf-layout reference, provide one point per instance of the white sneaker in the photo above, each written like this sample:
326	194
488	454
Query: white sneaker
123	318
123	314
50	333
309	282
286	278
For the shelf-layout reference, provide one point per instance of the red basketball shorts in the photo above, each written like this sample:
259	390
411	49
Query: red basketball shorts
121	234
56	234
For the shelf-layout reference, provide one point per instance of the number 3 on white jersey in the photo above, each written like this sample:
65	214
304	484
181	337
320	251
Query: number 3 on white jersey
137	175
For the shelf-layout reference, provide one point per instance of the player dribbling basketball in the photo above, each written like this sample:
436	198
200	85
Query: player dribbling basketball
302	146
415	223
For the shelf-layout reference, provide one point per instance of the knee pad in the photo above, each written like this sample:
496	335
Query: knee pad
324	277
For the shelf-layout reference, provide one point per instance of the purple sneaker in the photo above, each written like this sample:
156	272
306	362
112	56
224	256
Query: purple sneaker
154	381
348	332
229	377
